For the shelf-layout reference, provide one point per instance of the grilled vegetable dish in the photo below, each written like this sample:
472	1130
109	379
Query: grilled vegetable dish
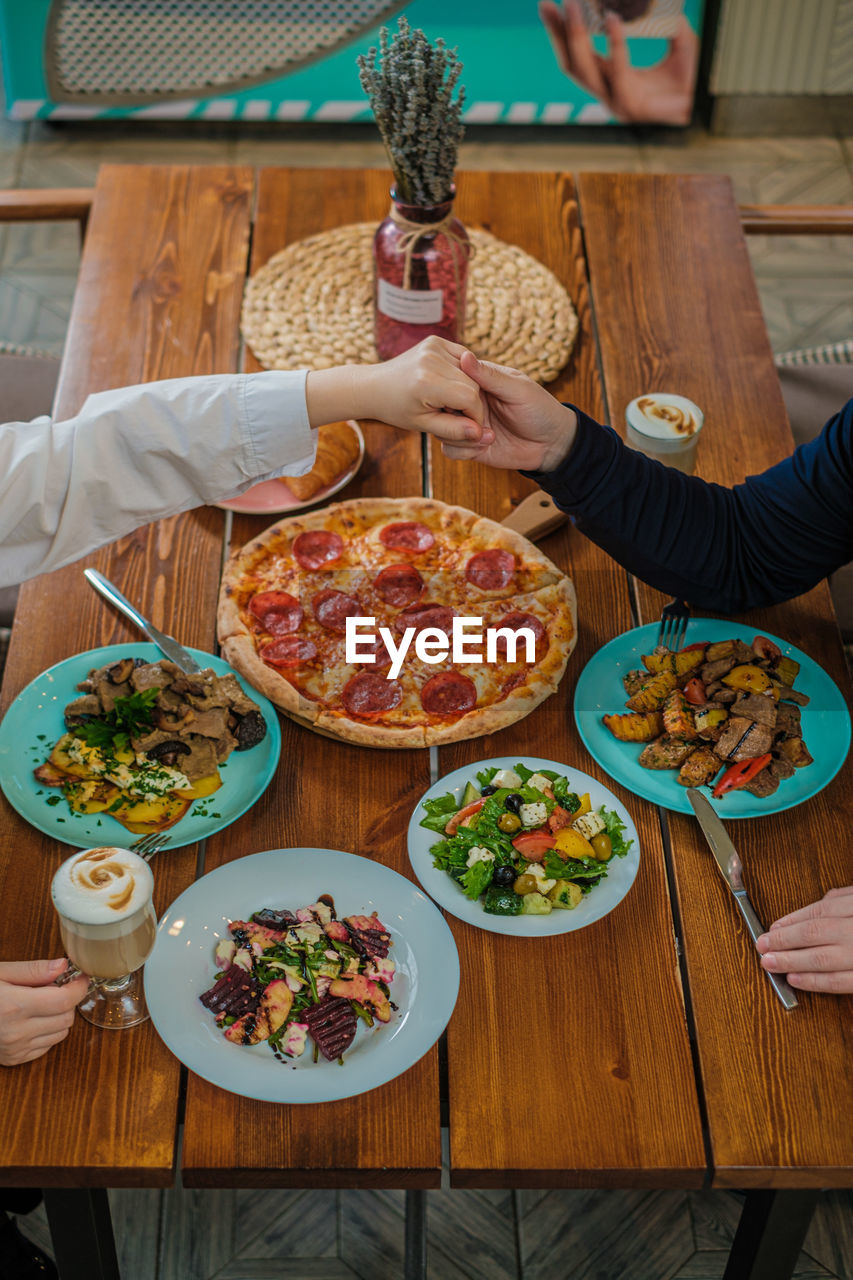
524	842
290	975
710	707
145	740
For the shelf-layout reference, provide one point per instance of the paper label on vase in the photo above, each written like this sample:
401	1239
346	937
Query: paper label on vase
411	306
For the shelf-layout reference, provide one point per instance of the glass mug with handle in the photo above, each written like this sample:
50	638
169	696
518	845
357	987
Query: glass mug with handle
108	926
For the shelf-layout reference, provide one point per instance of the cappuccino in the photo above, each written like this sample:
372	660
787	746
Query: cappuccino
107	921
666	427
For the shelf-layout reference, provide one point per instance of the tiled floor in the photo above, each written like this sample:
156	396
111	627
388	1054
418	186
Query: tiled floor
806	287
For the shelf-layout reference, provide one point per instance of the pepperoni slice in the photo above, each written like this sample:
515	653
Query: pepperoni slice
379	649
407	535
514	622
332	608
288	651
448	694
399	584
370	694
316	547
490	570
424	615
277	611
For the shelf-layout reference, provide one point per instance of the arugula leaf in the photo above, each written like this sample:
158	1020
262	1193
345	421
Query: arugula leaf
477	879
439	811
615	827
568	799
484	777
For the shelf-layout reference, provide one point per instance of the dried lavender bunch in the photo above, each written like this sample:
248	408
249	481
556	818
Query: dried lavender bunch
411	93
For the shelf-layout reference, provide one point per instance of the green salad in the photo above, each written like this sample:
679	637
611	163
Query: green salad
523	841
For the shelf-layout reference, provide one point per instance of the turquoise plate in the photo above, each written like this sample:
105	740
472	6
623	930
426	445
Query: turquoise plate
825	721
34	723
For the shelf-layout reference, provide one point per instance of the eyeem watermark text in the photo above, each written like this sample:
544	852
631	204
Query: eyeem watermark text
468	642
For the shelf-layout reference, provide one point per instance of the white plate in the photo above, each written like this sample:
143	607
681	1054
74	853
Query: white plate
181	967
599	902
273	497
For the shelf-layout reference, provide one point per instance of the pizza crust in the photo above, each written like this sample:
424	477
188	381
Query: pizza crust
549	594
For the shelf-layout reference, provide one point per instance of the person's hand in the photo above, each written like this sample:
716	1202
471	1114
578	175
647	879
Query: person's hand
34	1014
424	389
523	425
662	94
814	946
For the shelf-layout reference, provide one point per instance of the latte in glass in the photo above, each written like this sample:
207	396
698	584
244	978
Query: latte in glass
106	917
666	427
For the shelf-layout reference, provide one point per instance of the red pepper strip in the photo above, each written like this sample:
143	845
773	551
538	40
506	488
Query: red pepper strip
738	775
688	648
694	692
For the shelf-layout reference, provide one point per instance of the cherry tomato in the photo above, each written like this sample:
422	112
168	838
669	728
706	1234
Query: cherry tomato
764	648
462	814
694	692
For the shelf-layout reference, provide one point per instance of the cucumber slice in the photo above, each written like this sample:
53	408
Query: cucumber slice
469	795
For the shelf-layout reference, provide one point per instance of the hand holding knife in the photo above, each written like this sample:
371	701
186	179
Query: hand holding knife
730	866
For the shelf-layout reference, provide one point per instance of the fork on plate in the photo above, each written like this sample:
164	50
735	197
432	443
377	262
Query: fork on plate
673	625
147	846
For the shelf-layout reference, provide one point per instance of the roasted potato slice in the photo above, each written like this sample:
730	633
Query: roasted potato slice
635	726
653	693
143	816
678	716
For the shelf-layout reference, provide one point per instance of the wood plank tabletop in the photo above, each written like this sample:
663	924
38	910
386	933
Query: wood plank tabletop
677	310
607	1072
609	1095
327	794
163	301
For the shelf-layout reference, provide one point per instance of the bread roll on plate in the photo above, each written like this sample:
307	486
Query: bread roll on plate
337	451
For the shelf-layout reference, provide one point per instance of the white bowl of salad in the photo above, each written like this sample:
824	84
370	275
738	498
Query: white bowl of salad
524	847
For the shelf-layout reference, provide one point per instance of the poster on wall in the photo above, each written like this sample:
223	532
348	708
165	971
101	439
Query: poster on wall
553	62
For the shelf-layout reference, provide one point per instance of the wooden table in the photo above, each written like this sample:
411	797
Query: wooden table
655	1049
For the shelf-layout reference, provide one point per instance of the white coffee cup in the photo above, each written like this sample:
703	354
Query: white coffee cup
665	426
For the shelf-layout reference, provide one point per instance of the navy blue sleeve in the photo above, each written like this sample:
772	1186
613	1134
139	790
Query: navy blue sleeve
769	539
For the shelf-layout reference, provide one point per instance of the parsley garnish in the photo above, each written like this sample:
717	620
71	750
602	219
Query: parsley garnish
115	728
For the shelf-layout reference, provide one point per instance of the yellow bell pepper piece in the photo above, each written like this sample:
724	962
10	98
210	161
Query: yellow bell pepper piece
571	844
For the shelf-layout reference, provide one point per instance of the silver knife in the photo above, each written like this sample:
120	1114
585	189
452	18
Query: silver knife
173	651
730	866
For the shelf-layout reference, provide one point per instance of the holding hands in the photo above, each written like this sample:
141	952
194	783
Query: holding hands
35	1014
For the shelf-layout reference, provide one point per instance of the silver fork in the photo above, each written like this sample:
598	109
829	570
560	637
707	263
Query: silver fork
673	625
147	846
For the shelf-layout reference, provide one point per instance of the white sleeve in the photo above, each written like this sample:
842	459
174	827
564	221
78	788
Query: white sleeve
141	453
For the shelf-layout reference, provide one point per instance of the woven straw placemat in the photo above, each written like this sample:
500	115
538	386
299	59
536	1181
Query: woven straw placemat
311	305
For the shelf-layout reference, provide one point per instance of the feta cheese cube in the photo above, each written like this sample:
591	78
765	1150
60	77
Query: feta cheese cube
506	778
545	886
478	854
533	814
536	869
539	781
589	825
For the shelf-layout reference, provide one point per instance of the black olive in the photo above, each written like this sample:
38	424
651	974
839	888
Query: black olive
251	729
488	791
513	802
504	877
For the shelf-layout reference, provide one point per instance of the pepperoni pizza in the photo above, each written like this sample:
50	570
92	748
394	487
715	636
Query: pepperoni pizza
411	565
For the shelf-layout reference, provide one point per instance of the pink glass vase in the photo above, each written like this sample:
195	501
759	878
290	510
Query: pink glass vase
429	297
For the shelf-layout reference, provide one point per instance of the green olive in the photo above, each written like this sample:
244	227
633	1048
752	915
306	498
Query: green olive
509	822
526	884
602	846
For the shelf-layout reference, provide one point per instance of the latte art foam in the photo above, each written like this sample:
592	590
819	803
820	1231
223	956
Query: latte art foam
664	418
102	886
